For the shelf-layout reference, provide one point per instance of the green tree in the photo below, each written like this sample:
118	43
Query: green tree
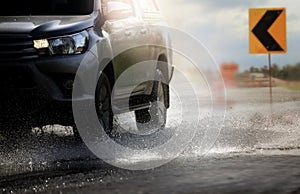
284	72
265	70
275	70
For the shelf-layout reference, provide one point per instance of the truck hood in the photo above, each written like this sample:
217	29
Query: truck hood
45	26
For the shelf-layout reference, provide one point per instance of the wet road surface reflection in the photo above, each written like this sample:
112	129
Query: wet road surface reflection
256	152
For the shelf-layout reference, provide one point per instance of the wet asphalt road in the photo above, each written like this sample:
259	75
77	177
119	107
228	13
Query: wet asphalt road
257	151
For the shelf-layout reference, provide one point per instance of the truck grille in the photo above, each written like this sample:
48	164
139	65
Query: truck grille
16	47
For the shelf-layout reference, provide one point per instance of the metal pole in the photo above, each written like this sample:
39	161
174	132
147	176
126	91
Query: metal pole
270	78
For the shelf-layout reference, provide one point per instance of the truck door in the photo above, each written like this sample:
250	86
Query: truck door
127	32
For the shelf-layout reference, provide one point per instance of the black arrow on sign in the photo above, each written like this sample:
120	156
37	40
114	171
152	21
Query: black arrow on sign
261	30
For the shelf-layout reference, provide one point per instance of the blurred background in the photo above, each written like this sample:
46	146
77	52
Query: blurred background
223	28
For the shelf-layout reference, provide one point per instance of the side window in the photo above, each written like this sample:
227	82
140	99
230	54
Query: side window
117	9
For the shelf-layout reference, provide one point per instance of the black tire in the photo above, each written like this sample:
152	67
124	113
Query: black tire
103	106
103	103
154	118
150	122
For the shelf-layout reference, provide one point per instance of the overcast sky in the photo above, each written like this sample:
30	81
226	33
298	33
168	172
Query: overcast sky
222	26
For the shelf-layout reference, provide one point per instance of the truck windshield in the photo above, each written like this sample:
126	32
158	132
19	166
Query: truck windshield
46	7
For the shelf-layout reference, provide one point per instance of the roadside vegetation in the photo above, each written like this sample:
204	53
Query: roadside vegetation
289	85
287	76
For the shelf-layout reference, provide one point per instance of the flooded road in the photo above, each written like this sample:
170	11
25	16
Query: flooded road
230	174
257	151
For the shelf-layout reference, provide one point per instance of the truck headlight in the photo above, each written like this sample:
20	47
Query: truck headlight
63	45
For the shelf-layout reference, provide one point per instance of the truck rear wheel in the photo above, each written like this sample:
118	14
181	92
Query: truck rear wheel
154	118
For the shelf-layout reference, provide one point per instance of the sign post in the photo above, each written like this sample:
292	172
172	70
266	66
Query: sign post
267	34
270	78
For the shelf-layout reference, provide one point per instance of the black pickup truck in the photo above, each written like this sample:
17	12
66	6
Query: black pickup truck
43	44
